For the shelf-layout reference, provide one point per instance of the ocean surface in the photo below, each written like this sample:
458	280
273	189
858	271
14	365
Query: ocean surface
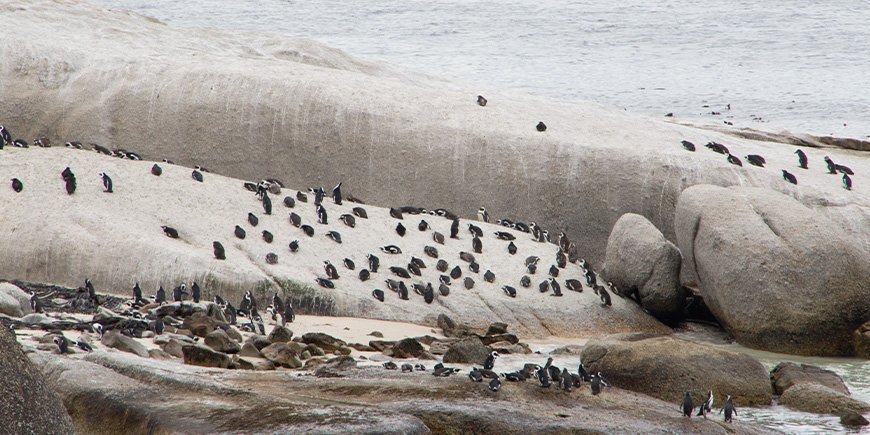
798	65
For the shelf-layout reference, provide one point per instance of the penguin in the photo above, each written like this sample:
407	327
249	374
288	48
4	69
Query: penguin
477	245
62	344
325	283
475	374
400	229
561	259
544	286
541	126
137	294
253	220
107	182
400	272
706	406
431	251
488	276
512	248
348	220
133	156
466	256
271	258
474	267
584	375
295	220
557	290
481	101
688	405
395	213
178	293
294	245
847	182
591	280
510	291
322	217
196	175
374	262
597	383
475	230
444	290
42	142
494	385
419	367
331	271
554	271
289	202
83	345
318	195
734	160
20	143
239	232
756	160
456	272
566	382
407	368
844	169
289	315
469	283
268	237
159	326
544	377
482	214
389	365
489	363
428	294
334	235
832	167
160	295
454	229
391	249
403	291
360	213
18	186
167	161
267	204
438	237
532	269
70	181
423	225
802	159
301	197
364	275
415	269
525	281
195	292
156	170
718	147
441	265
200	168
378	294
336	194
787	176
574	285
349	264
519	226
98	329
5	137
309	230
604	295
170	232
392	284
688	145
729	410
36	304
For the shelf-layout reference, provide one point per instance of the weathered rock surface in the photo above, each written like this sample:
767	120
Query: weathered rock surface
282	355
862	341
253	363
638	257
408	348
280	334
249	350
27	404
324	341
221	342
200	324
205	357
13	301
119	341
467	351
819	399
765	262
787	374
667	367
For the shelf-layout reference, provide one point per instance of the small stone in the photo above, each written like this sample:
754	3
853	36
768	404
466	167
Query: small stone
377	334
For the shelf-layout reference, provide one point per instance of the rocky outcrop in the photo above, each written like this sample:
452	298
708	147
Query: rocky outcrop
667	367
200	324
324	341
281	355
787	374
639	258
27	404
13	301
408	348
862	341
778	275
205	357
280	334
467	351
221	342
119	341
819	399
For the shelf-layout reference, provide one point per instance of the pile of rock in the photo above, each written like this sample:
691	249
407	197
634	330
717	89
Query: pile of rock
812	389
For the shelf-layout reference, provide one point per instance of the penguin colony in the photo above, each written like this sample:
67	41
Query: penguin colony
757	160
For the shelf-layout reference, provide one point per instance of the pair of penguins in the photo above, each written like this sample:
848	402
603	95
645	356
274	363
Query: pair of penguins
705	408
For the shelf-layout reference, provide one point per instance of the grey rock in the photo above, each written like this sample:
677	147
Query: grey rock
281	355
778	275
200	324
787	374
124	343
250	351
280	334
377	334
221	342
853	419
173	347
13	301
408	348
324	341
234	334
862	341
253	363
203	356
497	328
28	405
159	355
639	257
819	399
467	351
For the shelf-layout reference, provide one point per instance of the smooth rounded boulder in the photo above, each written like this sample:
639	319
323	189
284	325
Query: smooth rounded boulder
778	275
638	257
666	367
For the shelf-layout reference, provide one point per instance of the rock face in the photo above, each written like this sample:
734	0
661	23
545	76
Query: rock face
862	341
777	275
27	405
666	367
298	95
819	399
221	342
787	374
204	356
282	355
639	257
124	343
467	351
13	301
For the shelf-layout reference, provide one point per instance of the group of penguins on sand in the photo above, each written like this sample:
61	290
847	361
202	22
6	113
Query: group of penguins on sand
757	160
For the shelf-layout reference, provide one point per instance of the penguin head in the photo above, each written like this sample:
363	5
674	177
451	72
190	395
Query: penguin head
494	354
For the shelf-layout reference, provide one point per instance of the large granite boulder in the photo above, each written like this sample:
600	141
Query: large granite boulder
778	275
787	374
204	356
221	342
27	404
638	257
469	350
667	367
13	301
819	399
282	355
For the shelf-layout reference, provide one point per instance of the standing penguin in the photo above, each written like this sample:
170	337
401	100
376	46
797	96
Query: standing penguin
156	170
788	176
62	344
597	382
160	295
267	204
288	316
107	182
541	126
196	175
219	252
707	406
688	405
477	245
70	180
322	217
832	167
490	360
847	182
802	159
18	186
557	290
729	409
482	214
5	137
336	194
196	292
566	381
454	229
